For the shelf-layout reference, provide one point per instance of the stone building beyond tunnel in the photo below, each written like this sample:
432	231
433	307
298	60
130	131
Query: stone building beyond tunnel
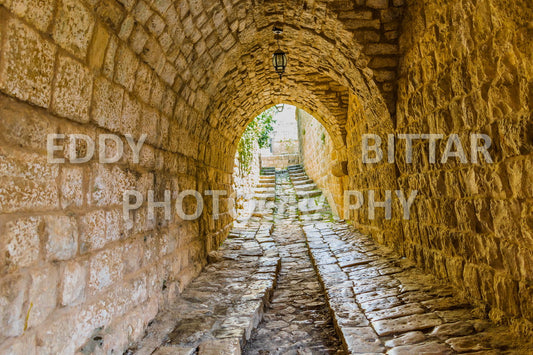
190	74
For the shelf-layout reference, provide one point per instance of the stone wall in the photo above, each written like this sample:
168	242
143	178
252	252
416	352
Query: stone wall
466	67
284	146
318	156
244	183
190	74
279	161
71	268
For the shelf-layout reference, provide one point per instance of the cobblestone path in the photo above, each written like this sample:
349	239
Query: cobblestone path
298	319
293	280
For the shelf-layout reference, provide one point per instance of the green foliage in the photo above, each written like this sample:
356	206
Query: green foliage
323	138
257	131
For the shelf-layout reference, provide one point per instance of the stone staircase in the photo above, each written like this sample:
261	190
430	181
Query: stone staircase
310	198
265	194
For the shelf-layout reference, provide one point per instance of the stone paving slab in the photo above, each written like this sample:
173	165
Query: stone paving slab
297	322
382	304
218	311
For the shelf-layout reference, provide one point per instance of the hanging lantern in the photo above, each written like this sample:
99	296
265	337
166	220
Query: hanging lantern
279	58
280	108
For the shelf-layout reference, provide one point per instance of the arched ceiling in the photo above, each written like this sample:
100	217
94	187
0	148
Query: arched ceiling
326	62
216	56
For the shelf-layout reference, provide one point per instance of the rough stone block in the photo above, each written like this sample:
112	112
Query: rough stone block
28	182
20	345
72	285
131	112
22	241
71	187
377	4
107	104
105	268
28	64
126	67
220	347
73	27
13	293
72	90
381	49
155	25
38	13
62	237
108	68
43	294
362	339
107	185
110	13
150	118
143	83
406	324
27	195
98	48
92	231
24	126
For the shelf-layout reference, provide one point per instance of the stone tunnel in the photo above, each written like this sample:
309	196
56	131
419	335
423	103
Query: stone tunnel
185	77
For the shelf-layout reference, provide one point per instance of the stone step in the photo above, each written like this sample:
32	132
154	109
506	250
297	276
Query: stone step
262	214
267	197
302	182
268	170
295	167
308	194
267	190
266	185
311	209
294	172
267	178
299	177
305	187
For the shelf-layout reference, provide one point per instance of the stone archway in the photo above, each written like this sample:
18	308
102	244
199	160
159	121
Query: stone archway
190	74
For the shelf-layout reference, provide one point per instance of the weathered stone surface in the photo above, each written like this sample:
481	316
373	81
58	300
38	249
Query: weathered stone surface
42	295
22	241
362	339
427	348
463	68
406	339
61	234
72	283
73	27
73	88
27	64
220	346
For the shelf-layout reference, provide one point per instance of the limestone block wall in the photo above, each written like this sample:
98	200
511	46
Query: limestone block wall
371	178
317	155
279	161
71	268
466	67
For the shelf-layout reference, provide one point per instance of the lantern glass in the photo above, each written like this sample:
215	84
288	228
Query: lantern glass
279	59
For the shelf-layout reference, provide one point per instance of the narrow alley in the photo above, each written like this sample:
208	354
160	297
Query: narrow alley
297	281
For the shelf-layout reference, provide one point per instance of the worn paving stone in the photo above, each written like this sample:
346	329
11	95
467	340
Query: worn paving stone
407	323
298	320
319	287
217	311
409	311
